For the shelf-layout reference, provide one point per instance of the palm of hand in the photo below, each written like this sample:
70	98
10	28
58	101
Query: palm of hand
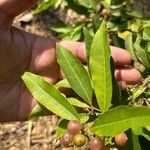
23	52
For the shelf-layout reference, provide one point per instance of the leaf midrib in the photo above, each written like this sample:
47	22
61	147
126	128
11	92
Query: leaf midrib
76	77
50	97
104	76
113	123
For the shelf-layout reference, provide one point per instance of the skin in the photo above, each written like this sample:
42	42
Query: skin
21	51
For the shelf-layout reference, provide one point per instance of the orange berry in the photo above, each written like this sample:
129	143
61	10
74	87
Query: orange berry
121	139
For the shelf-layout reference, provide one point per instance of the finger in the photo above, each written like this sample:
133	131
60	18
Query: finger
121	57
11	8
130	76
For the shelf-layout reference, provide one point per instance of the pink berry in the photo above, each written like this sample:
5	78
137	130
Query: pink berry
66	139
96	144
74	127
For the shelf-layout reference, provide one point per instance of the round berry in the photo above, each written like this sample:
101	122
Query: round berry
105	12
96	144
74	127
121	139
79	140
66	139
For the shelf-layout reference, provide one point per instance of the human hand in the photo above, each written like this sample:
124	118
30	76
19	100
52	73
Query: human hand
21	51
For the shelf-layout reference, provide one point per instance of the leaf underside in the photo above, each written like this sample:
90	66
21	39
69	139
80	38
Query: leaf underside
49	96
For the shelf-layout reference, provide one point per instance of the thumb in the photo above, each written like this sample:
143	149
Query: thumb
11	8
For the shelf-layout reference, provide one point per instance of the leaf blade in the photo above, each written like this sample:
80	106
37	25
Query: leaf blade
124	117
49	96
141	131
37	111
100	69
88	41
129	46
78	103
75	73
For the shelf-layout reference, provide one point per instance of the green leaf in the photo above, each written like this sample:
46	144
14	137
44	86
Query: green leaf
77	8
100	69
88	42
137	93
120	119
87	3
75	73
116	93
45	5
73	34
84	117
146	33
135	142
141	47
75	102
49	96
106	3
61	128
93	3
141	131
140	90
129	46
37	111
96	22
148	128
61	28
63	83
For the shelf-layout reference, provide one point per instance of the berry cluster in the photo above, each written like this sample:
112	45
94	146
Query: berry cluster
75	137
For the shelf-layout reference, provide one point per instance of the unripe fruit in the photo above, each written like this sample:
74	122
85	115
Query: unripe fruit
96	144
121	139
66	139
79	140
74	127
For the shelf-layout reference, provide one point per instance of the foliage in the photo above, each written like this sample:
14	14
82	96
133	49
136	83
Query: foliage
92	102
96	100
127	28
